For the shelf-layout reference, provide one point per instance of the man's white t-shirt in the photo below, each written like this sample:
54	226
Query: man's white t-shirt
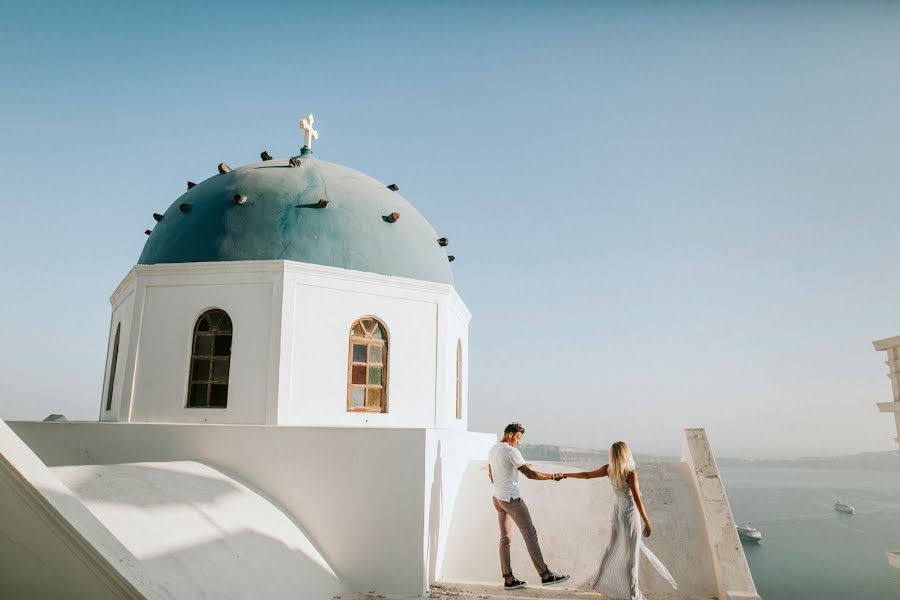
505	462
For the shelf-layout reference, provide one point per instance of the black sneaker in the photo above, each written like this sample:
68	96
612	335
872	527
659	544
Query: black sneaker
514	584
553	579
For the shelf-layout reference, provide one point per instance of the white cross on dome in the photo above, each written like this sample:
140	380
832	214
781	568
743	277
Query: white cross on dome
306	124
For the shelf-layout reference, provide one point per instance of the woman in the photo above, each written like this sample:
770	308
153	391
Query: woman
618	573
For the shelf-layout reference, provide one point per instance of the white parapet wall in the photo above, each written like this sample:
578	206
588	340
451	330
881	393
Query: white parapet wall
573	521
200	533
693	531
374	502
389	511
51	545
732	572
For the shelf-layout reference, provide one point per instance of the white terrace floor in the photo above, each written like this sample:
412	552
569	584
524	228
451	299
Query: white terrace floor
482	592
454	591
463	591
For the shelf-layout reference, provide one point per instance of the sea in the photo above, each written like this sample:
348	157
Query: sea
808	550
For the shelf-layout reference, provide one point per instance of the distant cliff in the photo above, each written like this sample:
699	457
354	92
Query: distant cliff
580	456
867	461
539	452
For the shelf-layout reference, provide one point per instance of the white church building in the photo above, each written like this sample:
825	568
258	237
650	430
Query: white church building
289	292
284	414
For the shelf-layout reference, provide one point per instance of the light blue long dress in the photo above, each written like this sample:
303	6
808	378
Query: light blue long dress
618	573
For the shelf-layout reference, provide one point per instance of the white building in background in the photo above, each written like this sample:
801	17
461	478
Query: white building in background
284	414
892	347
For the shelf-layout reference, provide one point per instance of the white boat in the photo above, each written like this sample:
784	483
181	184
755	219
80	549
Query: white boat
894	559
747	533
844	507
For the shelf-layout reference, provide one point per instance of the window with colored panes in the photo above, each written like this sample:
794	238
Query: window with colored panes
367	375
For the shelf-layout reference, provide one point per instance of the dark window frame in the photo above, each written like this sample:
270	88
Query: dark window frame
459	379
112	368
210	367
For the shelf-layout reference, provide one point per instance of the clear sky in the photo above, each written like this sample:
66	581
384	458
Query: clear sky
664	215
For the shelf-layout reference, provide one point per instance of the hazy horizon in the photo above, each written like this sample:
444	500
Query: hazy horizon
664	215
724	457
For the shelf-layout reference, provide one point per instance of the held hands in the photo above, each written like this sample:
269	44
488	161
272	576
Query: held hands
558	476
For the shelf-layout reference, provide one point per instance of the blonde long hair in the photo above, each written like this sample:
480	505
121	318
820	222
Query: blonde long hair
621	464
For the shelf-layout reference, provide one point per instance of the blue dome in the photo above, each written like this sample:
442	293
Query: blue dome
281	219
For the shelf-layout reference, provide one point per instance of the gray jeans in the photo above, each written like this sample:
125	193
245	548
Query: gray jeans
516	511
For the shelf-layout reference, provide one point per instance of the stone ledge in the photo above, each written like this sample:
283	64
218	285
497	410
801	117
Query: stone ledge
735	582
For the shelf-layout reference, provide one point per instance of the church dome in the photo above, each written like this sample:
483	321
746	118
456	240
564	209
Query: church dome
300	209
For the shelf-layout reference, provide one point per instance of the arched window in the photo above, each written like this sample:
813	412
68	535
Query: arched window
112	368
210	361
459	376
367	371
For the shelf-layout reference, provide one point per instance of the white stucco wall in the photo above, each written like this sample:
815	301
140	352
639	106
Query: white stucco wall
448	456
322	303
573	522
364	496
422	494
290	344
321	328
51	546
122	317
453	320
200	533
170	310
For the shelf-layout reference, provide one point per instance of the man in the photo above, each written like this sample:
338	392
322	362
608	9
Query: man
505	462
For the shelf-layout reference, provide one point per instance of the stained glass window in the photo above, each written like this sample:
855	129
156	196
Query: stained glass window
367	372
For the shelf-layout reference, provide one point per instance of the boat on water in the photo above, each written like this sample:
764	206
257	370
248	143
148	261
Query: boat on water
749	534
844	507
894	559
